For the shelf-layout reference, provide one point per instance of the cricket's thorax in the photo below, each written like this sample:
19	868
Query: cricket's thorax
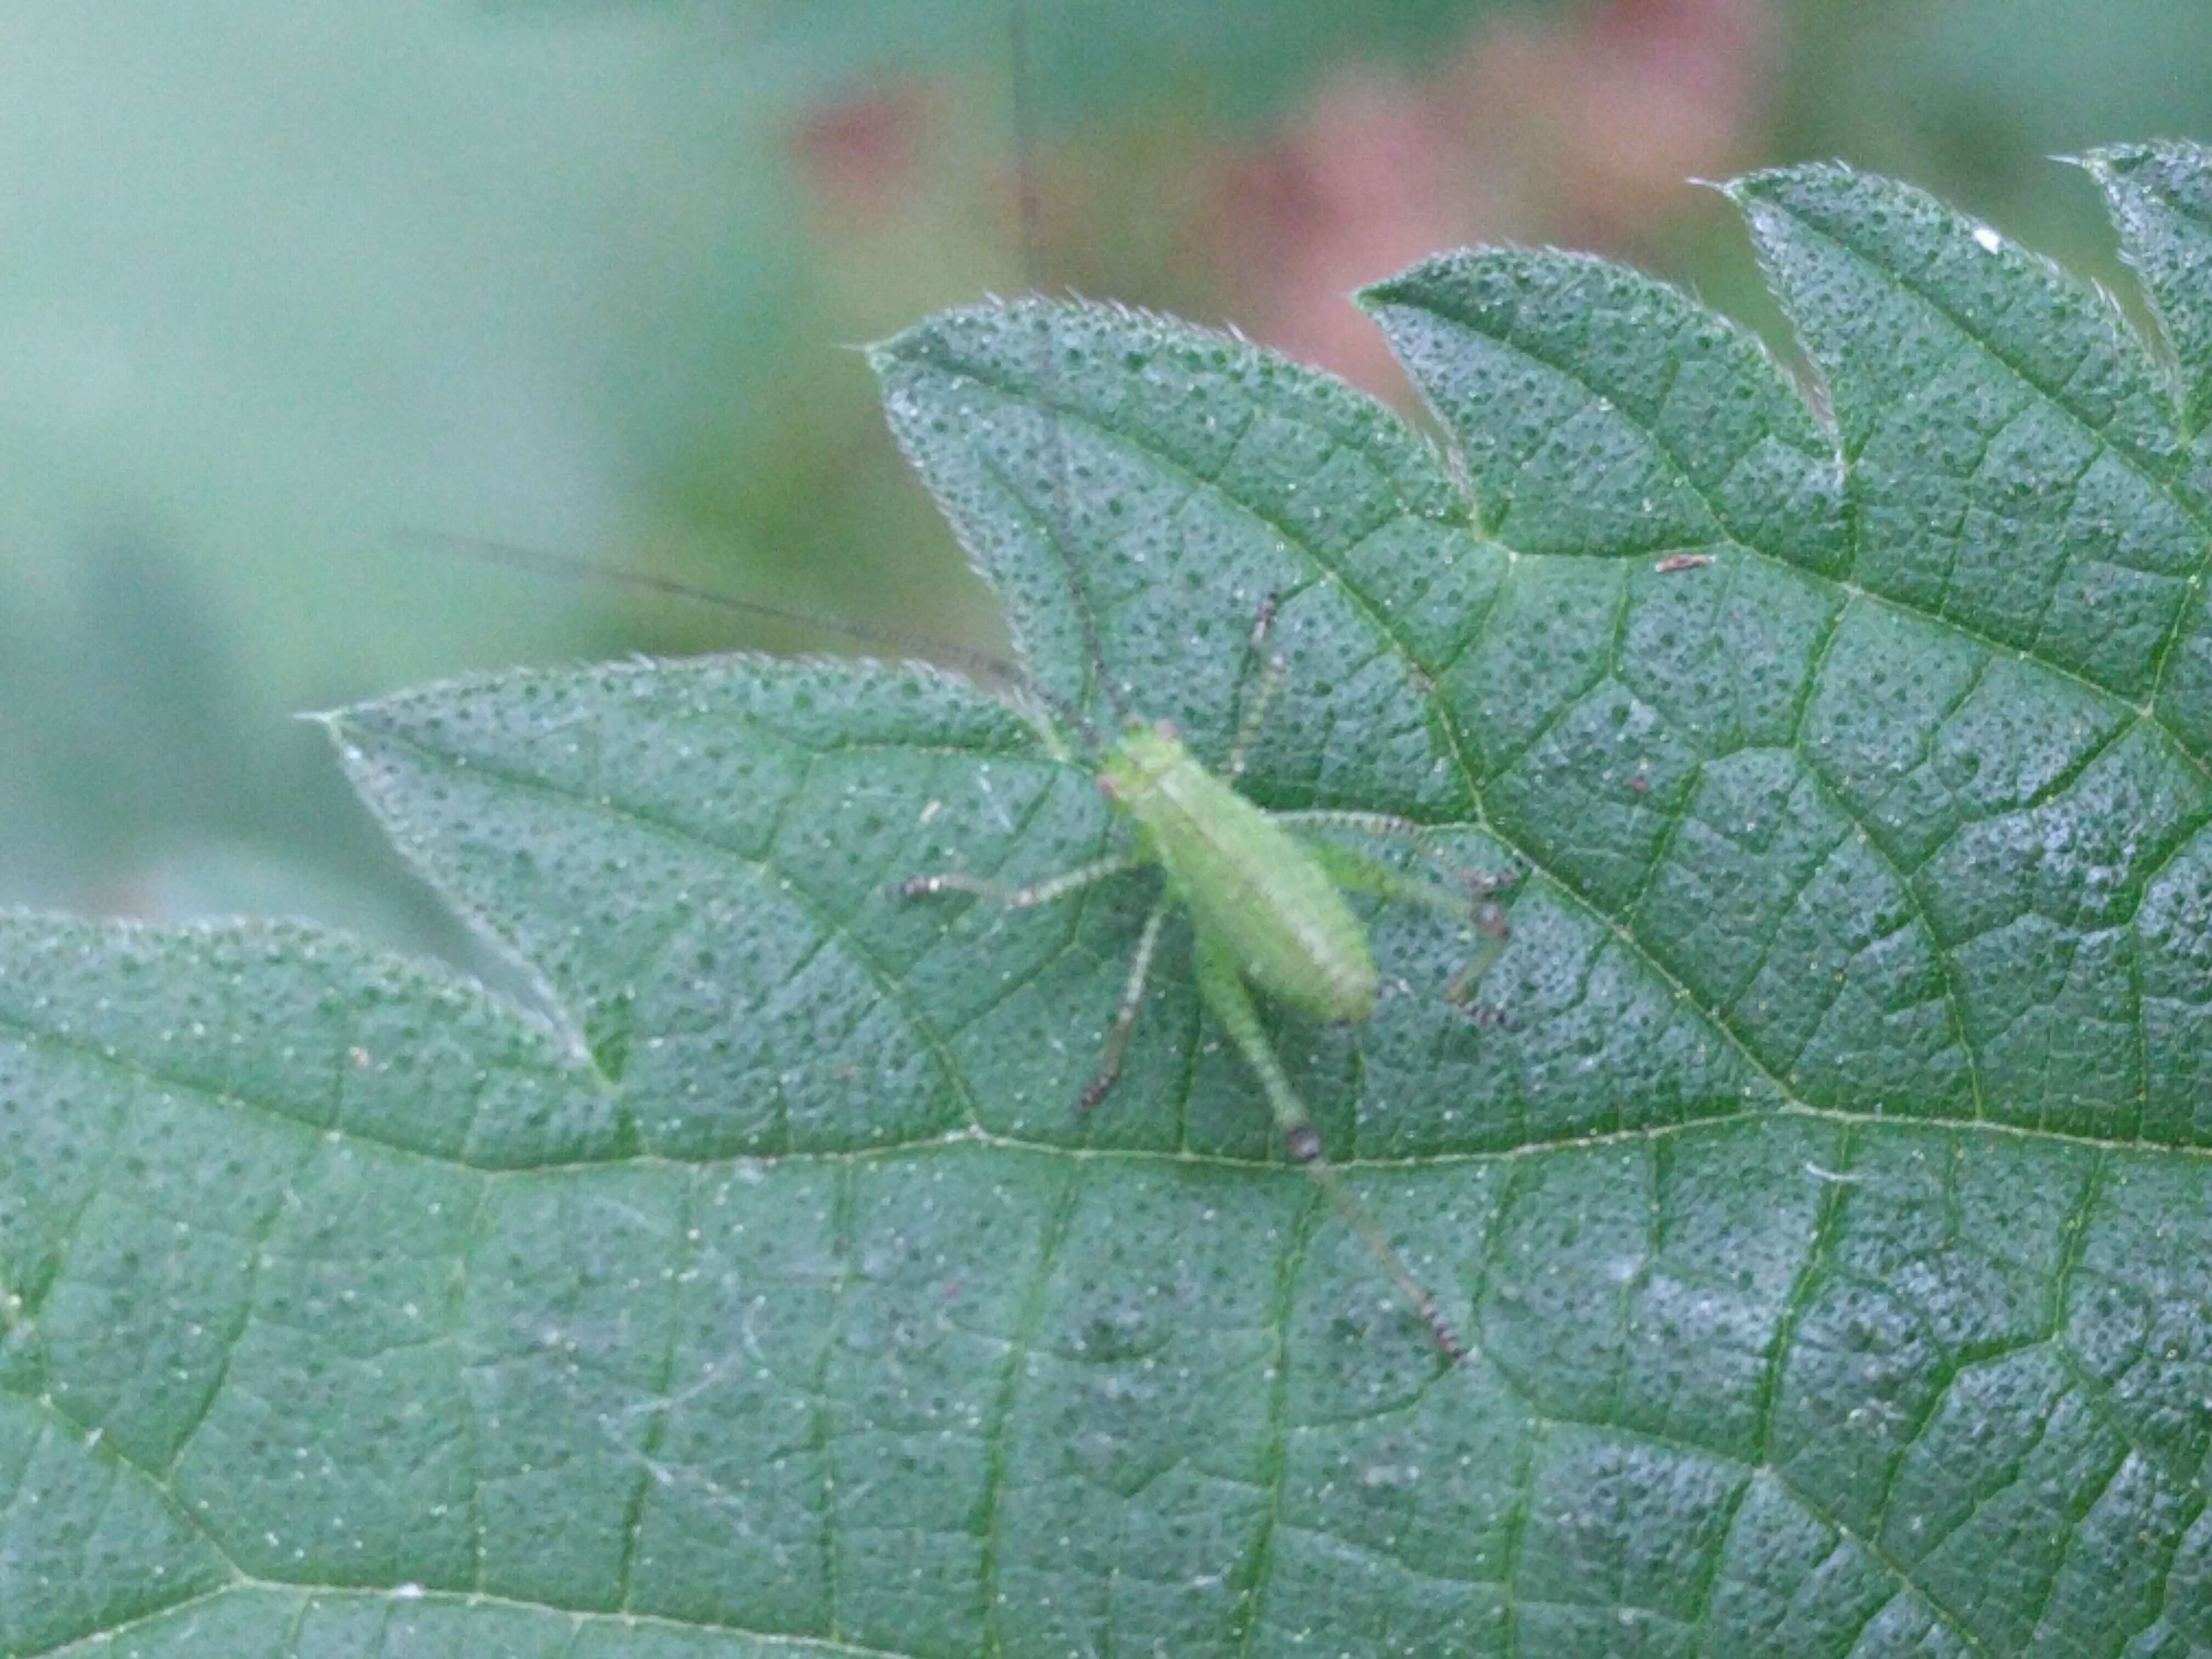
1248	884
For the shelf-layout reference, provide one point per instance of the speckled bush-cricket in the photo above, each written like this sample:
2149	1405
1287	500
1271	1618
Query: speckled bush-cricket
1268	911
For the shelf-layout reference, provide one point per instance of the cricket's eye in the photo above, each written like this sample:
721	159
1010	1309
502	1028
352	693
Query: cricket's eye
1166	731
1106	787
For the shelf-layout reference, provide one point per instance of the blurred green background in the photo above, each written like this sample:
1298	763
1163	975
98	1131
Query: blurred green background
292	292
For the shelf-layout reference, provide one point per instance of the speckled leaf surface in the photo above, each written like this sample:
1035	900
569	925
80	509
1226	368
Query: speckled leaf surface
1832	1225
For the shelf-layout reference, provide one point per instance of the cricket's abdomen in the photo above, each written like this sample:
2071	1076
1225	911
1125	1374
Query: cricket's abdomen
1250	884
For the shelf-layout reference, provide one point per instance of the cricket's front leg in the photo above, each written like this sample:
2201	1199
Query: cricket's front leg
1029	898
1221	987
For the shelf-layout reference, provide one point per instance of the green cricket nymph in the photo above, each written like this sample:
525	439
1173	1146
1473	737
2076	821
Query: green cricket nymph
1265	901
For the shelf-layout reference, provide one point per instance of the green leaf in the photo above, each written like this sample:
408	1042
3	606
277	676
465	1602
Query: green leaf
1829	1225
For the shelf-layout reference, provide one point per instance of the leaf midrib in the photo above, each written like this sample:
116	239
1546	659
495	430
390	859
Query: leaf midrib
245	1582
36	1037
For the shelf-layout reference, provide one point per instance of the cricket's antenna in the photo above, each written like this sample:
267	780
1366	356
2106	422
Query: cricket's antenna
1032	217
979	666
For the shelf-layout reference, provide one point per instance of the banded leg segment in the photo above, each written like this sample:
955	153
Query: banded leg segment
1125	1014
1021	898
1222	989
1365	824
1490	930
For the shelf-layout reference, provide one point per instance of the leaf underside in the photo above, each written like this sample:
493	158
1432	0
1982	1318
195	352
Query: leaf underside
1831	1224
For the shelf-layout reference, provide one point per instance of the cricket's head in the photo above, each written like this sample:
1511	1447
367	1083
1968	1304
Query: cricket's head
1146	753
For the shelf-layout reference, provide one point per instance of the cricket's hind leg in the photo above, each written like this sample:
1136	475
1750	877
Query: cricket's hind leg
1222	989
1482	884
1359	874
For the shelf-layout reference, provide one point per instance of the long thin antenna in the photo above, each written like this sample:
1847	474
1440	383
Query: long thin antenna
977	664
1032	218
